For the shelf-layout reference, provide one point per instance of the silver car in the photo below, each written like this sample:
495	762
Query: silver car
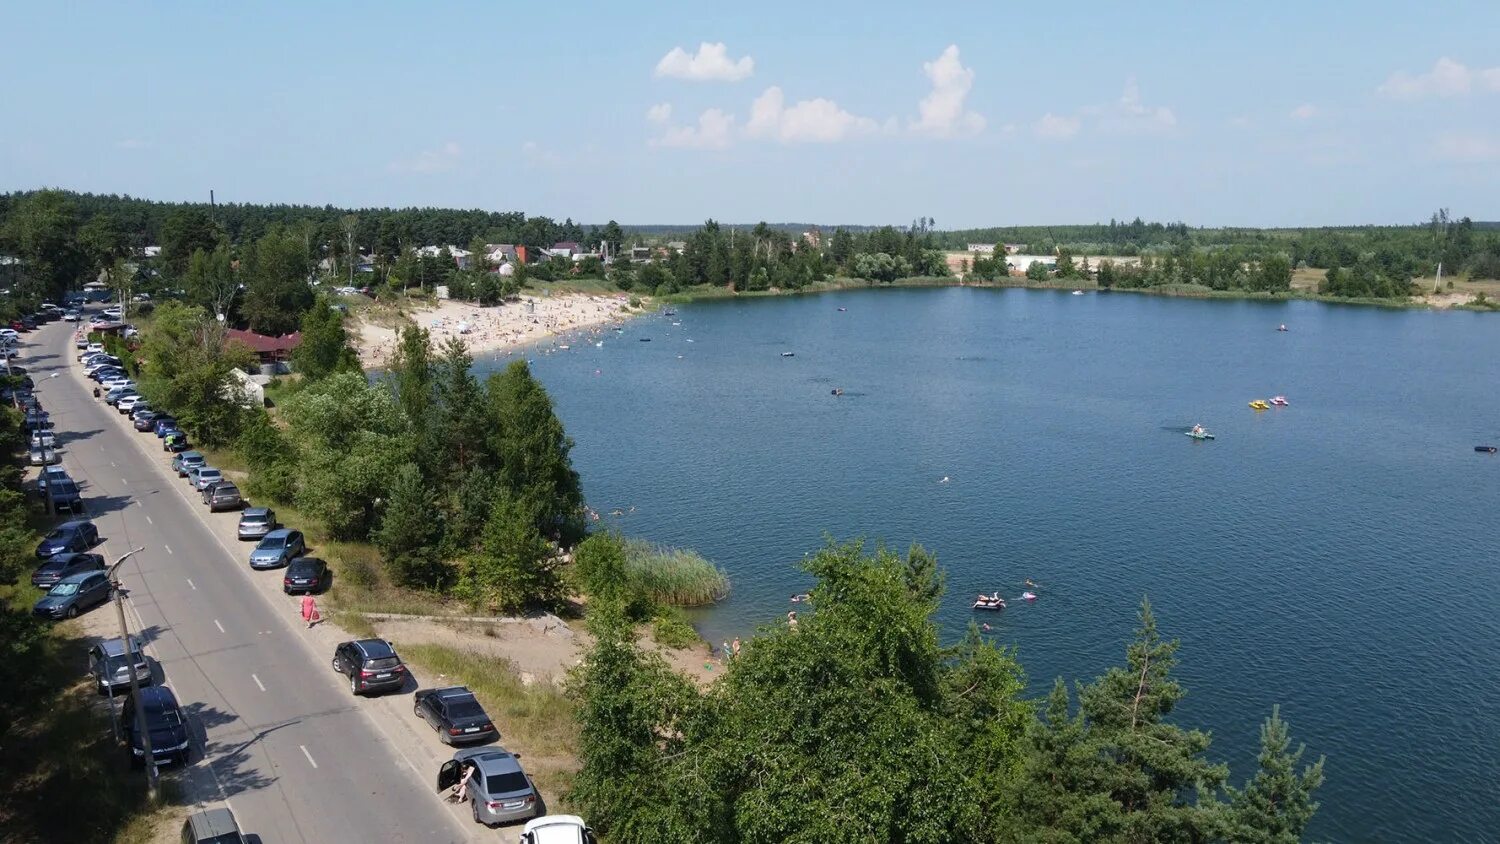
204	477
498	791
110	666
256	522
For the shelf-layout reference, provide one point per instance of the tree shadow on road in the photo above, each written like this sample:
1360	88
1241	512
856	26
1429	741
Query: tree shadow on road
230	758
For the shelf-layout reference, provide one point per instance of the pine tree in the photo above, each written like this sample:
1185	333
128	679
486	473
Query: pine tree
512	569
325	343
410	530
532	448
1277	804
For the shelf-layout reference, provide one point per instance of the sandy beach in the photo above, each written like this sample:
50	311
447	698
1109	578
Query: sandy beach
499	328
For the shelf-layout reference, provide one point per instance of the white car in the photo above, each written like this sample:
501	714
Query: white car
72	316
128	403
557	829
90	348
43	439
114	312
117	383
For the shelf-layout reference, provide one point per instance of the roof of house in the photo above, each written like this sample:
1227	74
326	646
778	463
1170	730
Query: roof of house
566	244
262	344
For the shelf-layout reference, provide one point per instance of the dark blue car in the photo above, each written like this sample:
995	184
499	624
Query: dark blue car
78	535
72	595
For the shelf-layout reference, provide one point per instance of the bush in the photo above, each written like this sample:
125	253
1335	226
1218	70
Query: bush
671	627
674	576
357	572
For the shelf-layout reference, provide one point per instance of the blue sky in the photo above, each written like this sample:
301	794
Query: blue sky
872	112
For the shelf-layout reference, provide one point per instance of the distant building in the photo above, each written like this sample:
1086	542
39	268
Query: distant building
276	351
982	248
1021	263
679	245
813	237
565	249
1013	248
640	253
500	253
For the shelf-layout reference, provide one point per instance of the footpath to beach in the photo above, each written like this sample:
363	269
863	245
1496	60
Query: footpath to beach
529	320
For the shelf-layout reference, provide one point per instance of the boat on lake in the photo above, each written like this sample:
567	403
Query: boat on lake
1279	401
1260	404
1486	449
989	602
1199	435
788	354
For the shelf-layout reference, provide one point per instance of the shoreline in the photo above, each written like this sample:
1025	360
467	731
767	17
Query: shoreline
502	328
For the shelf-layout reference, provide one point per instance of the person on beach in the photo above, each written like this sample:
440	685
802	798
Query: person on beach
310	612
736	646
791	619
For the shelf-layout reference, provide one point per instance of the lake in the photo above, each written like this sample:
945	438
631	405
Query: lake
1336	556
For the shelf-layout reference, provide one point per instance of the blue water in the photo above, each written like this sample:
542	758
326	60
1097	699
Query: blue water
1336	557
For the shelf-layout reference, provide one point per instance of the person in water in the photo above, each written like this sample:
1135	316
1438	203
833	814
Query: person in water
1197	429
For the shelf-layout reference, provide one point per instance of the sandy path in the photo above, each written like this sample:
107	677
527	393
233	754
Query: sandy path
498	328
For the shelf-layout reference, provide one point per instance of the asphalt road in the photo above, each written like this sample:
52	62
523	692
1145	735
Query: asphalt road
277	737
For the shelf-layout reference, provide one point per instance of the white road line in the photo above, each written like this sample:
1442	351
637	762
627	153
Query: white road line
113	465
148	521
168	547
262	688
191	586
310	760
218	625
125	482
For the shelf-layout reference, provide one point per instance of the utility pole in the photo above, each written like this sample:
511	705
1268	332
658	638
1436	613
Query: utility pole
135	684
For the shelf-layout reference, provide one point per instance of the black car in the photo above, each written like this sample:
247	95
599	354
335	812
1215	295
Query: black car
65	495
146	421
77	535
164	721
455	713
305	574
65	565
370	664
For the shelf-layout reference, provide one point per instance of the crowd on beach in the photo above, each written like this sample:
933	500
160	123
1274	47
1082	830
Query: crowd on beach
500	328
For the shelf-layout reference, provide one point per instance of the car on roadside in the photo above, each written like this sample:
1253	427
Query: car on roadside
499	790
109	665
304	575
455	713
126	404
59	566
277	549
222	495
256	522
211	826
75	536
72	315
43	438
176	442
144	420
165	722
38	456
184	463
163	423
72	595
371	665
204	476
557	829
49	474
90	348
115	394
65	495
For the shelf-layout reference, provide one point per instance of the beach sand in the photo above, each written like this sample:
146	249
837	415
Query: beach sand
500	328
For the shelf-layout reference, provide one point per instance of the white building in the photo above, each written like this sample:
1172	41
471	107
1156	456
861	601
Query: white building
982	248
1021	263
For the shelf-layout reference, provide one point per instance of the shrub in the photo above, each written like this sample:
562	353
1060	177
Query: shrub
671	627
674	576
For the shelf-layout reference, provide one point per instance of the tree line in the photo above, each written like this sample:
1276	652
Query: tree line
854	723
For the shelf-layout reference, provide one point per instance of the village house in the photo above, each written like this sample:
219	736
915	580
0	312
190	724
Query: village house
275	352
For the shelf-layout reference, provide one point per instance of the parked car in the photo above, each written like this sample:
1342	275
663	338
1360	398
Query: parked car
455	713
305	574
176	442
557	829
370	664
109	665
92	347
204	476
72	595
43	438
77	535
223	495
211	826
48	474
42	456
164	423
126	404
72	315
256	522
116	393
499	791
277	549
184	463
165	723
65	495
145	420
60	566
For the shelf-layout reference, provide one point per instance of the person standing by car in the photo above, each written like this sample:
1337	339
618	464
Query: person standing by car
310	611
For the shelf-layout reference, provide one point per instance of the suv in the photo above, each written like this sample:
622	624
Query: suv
557	829
277	549
184	464
212	826
222	495
256	522
77	535
499	791
455	713
370	665
164	722
65	565
109	665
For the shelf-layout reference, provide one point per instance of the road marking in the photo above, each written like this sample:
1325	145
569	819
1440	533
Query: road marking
263	688
191	586
113	465
218	625
168	547
148	521
308	755
125	482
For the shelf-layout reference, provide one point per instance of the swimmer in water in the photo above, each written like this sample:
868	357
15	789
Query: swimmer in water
944	480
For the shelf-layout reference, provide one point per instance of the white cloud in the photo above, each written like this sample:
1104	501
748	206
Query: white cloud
659	113
1056	127
1306	111
810	121
710	64
1132	110
711	132
1447	78
942	110
1469	149
437	160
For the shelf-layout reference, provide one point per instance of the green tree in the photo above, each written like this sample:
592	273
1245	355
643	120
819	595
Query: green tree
276	270
188	372
459	422
1276	806
102	244
187	230
211	281
512	569
42	230
614	236
409	374
532	448
1037	271
410	529
325	345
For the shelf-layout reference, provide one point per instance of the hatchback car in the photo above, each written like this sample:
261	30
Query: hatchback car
223	495
65	565
277	549
72	595
38	456
64	495
126	404
115	394
211	826
204	476
370	664
109	665
305	574
165	723
43	438
79	535
557	829
256	522
455	713
175	441
499	791
184	463
144	420
49	474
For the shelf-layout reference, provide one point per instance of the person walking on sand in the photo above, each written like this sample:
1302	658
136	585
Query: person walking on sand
310	612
